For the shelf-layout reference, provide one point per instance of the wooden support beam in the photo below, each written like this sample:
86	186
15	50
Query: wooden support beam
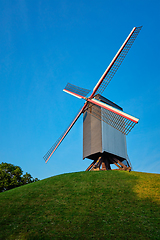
118	166
123	167
96	166
99	162
104	166
90	166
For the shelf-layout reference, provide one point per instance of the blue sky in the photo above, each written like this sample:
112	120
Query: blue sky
45	45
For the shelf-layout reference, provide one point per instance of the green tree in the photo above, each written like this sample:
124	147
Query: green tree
27	178
11	177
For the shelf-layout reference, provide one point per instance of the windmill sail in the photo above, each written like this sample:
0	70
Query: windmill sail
61	138
111	115
75	89
116	62
115	120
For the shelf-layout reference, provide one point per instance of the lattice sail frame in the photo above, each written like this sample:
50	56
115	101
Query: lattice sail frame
116	62
120	123
61	138
75	89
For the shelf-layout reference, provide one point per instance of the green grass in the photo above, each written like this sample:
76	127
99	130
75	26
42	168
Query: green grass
84	205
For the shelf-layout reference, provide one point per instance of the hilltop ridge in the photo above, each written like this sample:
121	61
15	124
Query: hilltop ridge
84	205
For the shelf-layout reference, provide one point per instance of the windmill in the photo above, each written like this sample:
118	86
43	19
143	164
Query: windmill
105	125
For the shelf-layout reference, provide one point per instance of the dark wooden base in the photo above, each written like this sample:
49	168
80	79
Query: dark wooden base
104	161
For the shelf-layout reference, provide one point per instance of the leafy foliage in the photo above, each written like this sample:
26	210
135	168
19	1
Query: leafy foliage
11	177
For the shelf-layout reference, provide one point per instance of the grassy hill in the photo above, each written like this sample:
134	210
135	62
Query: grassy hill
84	205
